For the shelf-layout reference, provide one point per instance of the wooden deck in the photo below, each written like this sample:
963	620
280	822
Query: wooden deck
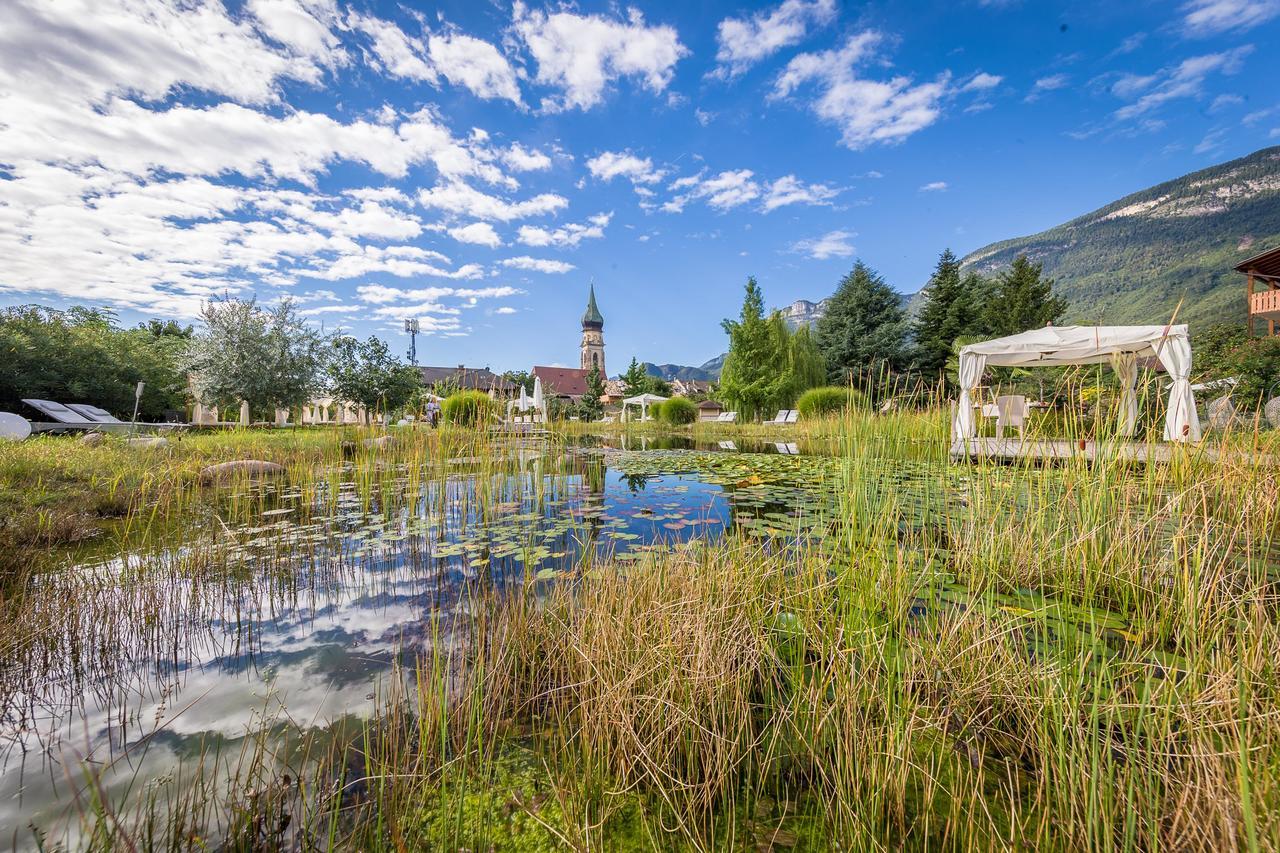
1013	447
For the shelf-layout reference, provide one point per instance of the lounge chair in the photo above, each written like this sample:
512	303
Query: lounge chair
93	413
63	416
727	418
1011	411
793	416
780	418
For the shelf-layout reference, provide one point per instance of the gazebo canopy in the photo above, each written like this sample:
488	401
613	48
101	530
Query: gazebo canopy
644	401
1054	346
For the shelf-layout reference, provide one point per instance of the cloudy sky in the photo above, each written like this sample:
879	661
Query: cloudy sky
475	163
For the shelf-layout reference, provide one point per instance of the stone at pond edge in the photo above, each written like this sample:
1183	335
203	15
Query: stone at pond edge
147	441
1272	412
92	439
243	467
1222	413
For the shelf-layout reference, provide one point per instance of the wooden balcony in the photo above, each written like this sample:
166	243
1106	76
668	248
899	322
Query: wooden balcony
1265	303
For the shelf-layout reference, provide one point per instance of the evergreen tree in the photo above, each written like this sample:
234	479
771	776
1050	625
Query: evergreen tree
1021	299
767	366
863	331
635	380
589	407
933	329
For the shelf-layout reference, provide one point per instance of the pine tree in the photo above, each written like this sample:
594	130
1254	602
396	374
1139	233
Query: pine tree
1021	299
635	380
863	331
590	408
933	326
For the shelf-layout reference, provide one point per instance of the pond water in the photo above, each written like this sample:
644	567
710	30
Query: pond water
316	605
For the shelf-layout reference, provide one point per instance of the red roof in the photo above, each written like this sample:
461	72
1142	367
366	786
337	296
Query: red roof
562	381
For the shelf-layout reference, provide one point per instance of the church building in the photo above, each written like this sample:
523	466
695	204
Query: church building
571	383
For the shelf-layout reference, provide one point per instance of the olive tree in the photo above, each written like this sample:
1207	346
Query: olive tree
271	358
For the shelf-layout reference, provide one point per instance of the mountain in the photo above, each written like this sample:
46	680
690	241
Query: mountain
802	312
715	365
1131	261
683	372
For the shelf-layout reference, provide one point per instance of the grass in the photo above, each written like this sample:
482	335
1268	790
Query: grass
1079	657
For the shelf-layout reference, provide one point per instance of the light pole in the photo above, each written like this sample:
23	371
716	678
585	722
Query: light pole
411	329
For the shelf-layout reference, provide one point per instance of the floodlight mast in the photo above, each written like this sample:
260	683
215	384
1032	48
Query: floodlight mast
411	329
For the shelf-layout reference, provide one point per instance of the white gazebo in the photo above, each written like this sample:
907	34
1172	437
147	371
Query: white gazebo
1054	346
644	401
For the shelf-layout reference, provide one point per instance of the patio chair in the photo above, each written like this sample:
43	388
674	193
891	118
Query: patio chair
780	418
1011	411
729	417
793	416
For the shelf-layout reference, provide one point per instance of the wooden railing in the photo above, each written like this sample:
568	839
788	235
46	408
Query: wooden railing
1265	302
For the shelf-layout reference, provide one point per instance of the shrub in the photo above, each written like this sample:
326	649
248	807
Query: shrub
830	400
468	408
677	411
1255	364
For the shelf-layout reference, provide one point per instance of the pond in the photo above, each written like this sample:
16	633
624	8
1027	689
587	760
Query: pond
291	613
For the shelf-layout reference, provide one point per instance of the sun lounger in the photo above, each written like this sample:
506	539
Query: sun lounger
793	416
727	418
93	413
780	418
60	413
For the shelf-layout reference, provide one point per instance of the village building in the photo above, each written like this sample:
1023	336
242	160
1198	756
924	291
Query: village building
445	380
1262	290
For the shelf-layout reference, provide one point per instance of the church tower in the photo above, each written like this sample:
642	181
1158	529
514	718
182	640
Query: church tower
593	336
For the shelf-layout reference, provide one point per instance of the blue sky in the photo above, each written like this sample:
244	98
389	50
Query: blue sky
475	164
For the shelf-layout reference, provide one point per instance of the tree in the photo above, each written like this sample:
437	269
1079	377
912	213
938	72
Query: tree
589	407
863	332
951	310
520	378
768	366
1021	299
365	372
272	359
80	355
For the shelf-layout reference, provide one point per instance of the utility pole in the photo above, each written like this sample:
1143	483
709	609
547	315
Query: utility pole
411	329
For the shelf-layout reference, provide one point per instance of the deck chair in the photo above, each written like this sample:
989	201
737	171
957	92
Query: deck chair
93	413
793	416
729	417
1011	411
60	413
780	418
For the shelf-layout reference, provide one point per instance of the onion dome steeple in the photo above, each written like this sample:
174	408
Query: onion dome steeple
591	318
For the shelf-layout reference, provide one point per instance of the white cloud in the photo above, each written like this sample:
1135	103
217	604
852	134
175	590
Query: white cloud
934	187
1211	17
524	262
569	234
791	190
580	55
457	197
1184	80
833	244
616	164
521	159
505	309
395	53
479	233
474	64
981	82
866	111
744	42
1052	83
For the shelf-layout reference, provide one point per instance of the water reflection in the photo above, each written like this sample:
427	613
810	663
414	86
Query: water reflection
312	608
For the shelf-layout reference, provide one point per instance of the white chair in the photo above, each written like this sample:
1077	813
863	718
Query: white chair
780	418
1011	411
793	416
729	417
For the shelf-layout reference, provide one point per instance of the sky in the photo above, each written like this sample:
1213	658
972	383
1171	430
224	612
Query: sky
477	164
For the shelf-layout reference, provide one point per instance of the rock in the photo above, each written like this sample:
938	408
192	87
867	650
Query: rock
241	468
378	443
149	441
92	439
1272	412
1222	413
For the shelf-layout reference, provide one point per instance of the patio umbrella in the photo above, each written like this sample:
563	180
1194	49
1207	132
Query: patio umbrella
537	393
523	403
